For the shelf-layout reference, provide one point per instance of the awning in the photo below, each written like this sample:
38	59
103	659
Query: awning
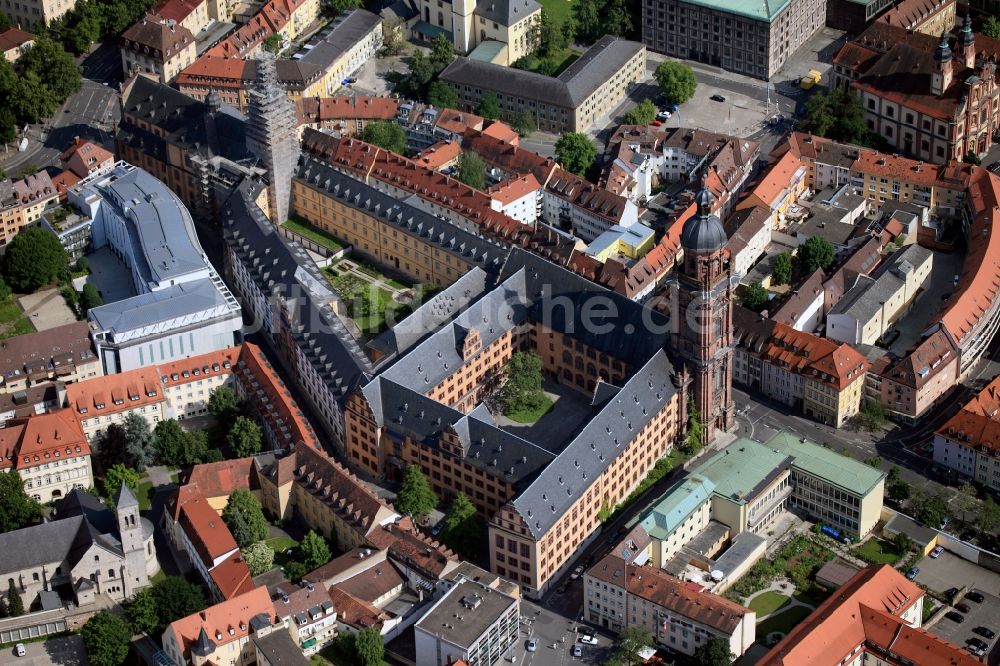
430	31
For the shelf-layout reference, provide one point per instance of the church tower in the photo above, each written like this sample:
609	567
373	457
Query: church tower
941	77
967	42
272	136
701	317
464	25
131	535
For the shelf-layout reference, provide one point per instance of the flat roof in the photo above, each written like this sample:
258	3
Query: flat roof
821	462
743	469
760	10
465	613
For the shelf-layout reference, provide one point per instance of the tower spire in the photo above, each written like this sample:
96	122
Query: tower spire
271	134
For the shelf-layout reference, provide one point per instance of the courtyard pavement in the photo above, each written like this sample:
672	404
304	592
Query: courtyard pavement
46	309
948	571
64	651
555	429
110	275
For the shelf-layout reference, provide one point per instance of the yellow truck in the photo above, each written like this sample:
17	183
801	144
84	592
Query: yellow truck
810	79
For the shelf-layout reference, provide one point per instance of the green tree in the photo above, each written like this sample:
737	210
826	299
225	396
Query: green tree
442	95
816	252
754	297
369	646
421	71
895	487
471	170
988	516
873	461
415	496
177	597
588	20
873	415
618	18
223	403
463	527
489	107
522	387
990	27
972	158
15	606
393	41
176	448
90	298
34	258
294	571
314	551
111	448
694	431
781	269
929	508
606	511
142	614
676	80
116	476
17	510
386	134
244	437
523	122
552	35
837	115
4	21
575	152
628	644
965	500
902	542
259	557
106	639
442	52
138	441
341	6
245	518
714	652
273	42
56	69
642	113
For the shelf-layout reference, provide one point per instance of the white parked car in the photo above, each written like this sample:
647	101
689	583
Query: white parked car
19	649
936	553
588	640
663	115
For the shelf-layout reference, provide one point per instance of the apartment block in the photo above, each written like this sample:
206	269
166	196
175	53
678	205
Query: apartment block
157	47
752	39
968	442
678	615
27	14
571	102
223	633
49	453
64	353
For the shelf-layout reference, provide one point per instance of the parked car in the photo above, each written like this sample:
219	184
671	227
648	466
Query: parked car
972	595
936	553
663	115
718	98
588	640
985	632
672	108
532	645
978	643
577	650
955	617
576	573
912	573
19	649
962	608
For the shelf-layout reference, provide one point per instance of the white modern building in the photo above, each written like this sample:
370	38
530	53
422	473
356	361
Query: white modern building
181	306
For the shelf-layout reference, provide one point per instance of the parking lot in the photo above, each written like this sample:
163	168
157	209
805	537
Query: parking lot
64	651
950	571
982	614
549	629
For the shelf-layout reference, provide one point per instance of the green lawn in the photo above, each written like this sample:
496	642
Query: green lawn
366	303
528	415
768	602
879	551
281	544
145	494
783	622
158	577
12	320
560	9
317	236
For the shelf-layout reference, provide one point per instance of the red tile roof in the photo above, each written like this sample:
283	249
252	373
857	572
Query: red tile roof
152	34
204	527
977	423
176	10
354	612
41	440
220	479
224	622
288	424
342	108
114	393
805	353
11	38
232	577
439	155
512	189
864	612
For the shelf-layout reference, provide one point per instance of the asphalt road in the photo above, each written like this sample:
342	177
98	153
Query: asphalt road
91	112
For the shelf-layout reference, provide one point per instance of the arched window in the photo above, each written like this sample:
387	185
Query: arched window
567	357
579	363
591	370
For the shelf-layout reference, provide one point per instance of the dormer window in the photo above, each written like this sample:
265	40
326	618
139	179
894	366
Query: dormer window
100	405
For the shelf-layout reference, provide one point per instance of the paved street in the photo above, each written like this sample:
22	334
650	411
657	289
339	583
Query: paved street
63	651
91	112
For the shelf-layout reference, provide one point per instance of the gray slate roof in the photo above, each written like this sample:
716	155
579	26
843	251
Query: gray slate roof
125	498
137	312
592	451
506	12
57	541
578	82
345	33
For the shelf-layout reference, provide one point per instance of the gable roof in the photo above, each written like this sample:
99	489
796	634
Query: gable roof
224	622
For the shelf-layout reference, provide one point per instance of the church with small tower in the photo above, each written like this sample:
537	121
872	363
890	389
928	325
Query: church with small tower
500	31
